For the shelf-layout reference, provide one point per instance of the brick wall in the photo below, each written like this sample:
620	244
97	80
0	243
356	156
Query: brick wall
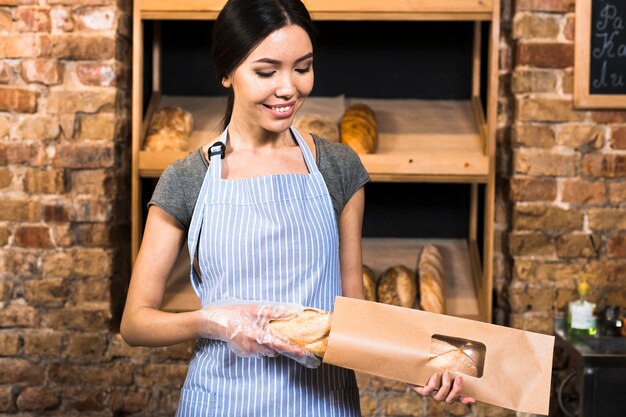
564	177
64	236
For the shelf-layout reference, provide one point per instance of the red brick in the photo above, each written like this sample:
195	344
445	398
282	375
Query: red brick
605	165
608	116
37	127
9	343
20	210
545	55
33	19
618	137
56	213
84	155
79	47
130	402
4	237
533	81
529	25
539	322
583	192
95	18
74	318
66	102
85	346
113	374
580	136
53	290
44	182
616	246
6	74
6	399
18	100
95	290
545	5
103	75
607	218
6	21
547	110
546	218
36	237
530	244
617	192
20	371
43	343
6	177
19	46
15	315
38	399
21	264
577	245
95	182
44	71
98	126
29	154
533	189
540	162
62	19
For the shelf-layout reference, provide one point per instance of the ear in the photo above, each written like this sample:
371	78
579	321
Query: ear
226	82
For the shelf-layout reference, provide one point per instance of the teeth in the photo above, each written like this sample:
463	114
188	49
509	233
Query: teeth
281	109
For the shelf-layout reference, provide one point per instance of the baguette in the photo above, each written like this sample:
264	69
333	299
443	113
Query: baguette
450	358
431	280
359	129
308	330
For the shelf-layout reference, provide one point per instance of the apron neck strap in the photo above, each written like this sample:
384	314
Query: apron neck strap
218	150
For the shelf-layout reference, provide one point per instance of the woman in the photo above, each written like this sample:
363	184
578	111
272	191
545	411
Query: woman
271	218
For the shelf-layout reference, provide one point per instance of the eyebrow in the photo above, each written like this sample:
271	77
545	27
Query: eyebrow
276	62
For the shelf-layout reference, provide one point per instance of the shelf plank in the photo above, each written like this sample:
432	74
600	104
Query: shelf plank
419	140
336	10
378	254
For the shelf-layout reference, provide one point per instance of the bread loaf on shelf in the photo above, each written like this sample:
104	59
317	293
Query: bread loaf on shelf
431	280
397	286
318	125
169	129
308	330
359	129
369	283
446	356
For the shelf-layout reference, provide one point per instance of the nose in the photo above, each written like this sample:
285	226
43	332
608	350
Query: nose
285	86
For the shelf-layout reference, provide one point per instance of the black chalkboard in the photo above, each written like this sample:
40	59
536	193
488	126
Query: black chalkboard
607	63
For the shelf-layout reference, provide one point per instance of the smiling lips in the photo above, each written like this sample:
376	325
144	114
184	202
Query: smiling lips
282	111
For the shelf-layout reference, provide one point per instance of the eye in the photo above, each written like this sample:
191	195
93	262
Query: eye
265	74
304	70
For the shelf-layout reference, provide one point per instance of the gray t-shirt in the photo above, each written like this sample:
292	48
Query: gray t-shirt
179	185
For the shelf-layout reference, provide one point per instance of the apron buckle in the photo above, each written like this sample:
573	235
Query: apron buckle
218	148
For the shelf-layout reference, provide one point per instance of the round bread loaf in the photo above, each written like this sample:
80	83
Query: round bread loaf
318	125
308	330
450	358
359	129
369	284
431	280
169	129
397	287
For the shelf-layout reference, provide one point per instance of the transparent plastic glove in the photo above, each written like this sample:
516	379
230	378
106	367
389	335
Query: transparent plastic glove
244	326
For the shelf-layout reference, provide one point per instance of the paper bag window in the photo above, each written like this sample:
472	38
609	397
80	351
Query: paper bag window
457	355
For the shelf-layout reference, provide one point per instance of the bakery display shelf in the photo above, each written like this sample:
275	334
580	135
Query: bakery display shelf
419	140
379	254
336	10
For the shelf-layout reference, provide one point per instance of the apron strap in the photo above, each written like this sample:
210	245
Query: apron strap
306	152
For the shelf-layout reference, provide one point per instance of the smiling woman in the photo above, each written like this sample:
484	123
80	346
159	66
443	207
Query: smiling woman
272	218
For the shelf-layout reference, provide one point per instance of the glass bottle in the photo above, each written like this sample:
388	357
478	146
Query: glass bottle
581	320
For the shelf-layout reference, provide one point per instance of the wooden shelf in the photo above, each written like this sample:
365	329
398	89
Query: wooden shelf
378	254
419	140
336	10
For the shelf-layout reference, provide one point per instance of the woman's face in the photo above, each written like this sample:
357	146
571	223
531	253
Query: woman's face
272	83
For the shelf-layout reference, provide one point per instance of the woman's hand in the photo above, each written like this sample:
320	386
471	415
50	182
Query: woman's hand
245	329
449	391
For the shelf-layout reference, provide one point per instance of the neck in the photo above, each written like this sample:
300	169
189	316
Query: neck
242	136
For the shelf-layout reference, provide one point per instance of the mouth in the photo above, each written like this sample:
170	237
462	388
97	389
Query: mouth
282	110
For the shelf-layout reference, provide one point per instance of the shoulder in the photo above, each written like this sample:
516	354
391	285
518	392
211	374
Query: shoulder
336	154
189	166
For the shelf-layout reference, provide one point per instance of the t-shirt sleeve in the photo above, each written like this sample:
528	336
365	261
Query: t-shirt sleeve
342	170
169	195
354	174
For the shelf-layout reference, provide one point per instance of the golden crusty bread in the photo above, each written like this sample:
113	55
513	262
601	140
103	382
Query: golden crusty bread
431	280
359	129
452	359
397	287
308	330
318	125
369	284
169	129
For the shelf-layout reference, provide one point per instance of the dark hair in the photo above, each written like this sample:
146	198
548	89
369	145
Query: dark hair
243	24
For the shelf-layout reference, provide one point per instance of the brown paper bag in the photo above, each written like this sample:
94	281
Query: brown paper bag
395	343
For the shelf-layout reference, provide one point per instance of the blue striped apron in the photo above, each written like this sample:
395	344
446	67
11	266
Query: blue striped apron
270	238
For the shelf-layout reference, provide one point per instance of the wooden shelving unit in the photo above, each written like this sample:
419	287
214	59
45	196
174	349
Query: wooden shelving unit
440	141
